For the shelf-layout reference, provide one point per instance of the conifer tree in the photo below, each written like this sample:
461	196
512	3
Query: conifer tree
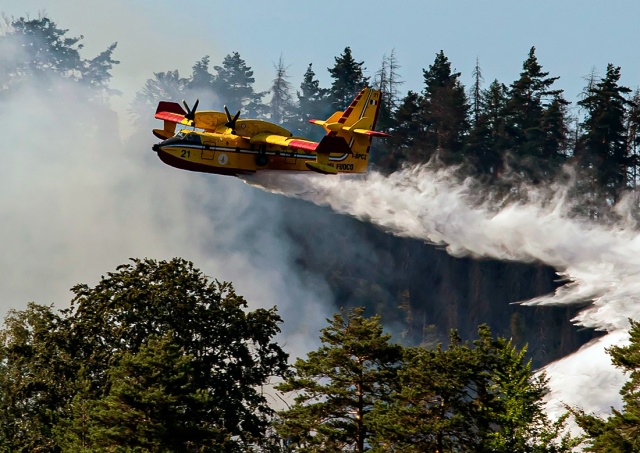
348	79
313	103
487	140
281	104
444	111
387	81
633	138
602	148
163	86
149	400
529	126
408	128
37	50
476	92
463	398
234	86
621	431
338	385
201	81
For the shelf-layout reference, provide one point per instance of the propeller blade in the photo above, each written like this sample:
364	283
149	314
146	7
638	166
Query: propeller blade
235	118
191	113
226	110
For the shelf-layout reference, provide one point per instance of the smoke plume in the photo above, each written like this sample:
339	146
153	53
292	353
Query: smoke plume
602	262
77	201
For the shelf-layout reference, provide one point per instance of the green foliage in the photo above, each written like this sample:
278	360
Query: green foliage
154	356
535	124
479	397
38	51
313	103
602	148
444	111
348	79
487	139
621	431
233	85
464	398
338	385
33	378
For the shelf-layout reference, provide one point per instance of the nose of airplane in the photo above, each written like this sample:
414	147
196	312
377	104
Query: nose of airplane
156	147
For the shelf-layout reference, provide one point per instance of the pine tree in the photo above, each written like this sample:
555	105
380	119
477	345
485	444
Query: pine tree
38	51
487	140
339	384
444	112
164	86
313	103
387	81
633	138
201	81
149	404
408	127
529	126
233	85
463	398
602	148
281	104
348	79
621	431
431	412
476	92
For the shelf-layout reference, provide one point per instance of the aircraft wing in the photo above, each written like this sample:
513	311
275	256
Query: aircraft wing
172	112
286	142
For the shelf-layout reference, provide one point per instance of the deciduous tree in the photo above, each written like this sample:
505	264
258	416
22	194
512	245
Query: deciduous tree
155	355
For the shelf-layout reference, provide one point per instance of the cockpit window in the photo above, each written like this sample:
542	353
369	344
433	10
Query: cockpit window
179	135
192	138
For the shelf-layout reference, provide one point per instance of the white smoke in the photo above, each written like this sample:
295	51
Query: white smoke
602	262
76	201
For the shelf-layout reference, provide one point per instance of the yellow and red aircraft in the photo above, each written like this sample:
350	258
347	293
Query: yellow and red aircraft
222	144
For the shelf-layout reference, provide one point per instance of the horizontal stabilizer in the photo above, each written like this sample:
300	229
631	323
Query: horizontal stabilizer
331	123
361	127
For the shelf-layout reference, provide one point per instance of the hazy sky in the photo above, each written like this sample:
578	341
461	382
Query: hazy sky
572	37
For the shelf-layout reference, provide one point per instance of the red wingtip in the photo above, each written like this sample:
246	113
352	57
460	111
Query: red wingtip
170	107
377	134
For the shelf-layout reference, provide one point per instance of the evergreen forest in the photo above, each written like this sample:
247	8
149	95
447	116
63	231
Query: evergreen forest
158	357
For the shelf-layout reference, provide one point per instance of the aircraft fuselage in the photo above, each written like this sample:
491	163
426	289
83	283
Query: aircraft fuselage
230	154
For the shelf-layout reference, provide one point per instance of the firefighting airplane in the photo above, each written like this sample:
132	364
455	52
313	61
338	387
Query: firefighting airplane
222	144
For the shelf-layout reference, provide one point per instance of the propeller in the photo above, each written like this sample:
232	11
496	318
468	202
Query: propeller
191	113
231	122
